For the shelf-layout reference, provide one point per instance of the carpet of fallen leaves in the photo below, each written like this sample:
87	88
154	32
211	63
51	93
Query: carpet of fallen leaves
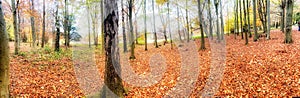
260	69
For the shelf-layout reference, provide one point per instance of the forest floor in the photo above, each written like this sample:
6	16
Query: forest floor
259	69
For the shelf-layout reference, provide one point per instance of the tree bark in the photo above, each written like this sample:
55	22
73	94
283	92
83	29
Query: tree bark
217	21
145	23
131	30
16	31
202	47
256	37
89	23
245	25
169	25
44	24
187	22
123	28
222	20
283	8
57	38
289	22
235	19
178	24
210	20
241	18
154	26
112	76
66	24
4	57
248	19
269	19
33	24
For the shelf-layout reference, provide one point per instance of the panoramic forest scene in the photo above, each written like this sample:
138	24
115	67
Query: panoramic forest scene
149	48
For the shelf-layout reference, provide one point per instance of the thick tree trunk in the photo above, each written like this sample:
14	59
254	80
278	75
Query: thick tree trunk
44	24
145	23
154	27
33	24
256	37
16	31
4	57
289	22
202	47
131	30
123	29
112	77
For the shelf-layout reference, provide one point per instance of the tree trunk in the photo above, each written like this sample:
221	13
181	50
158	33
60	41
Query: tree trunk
57	38
245	25
210	20
289	22
16	31
154	27
66	24
241	18
44	24
222	20
235	20
33	24
4	57
217	21
123	28
102	24
187	22
269	19
283	8
248	19
131	30
169	25
202	47
112	77
178	24
256	37
89	24
145	23
136	29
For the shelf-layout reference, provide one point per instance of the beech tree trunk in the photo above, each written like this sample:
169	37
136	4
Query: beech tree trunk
32	24
123	29
44	24
4	57
202	47
145	23
131	30
16	31
289	22
57	38
256	37
112	77
154	27
245	27
269	19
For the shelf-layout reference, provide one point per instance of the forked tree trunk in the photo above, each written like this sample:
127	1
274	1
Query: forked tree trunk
4	57
112	77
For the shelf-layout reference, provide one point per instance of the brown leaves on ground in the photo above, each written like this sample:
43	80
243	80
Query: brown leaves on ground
263	68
